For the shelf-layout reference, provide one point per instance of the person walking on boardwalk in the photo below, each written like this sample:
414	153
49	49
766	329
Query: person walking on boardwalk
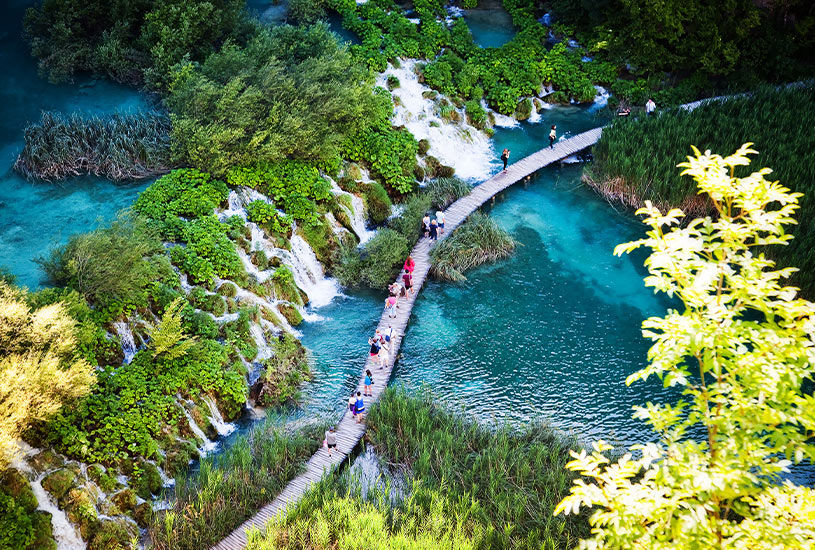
434	230
330	440
552	136
407	277
440	221
352	405
650	106
383	356
359	408
505	158
426	225
410	265
368	382
390	305
376	347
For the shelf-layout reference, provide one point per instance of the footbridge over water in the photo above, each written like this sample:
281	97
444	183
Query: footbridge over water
349	433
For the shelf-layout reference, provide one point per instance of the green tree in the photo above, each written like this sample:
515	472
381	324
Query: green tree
39	367
740	350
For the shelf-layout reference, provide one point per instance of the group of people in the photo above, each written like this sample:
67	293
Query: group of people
433	228
625	110
380	346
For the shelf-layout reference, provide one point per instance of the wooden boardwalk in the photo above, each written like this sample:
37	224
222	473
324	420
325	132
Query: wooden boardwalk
348	431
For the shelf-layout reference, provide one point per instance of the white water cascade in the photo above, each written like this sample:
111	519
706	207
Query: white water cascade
217	420
208	445
456	144
126	338
357	217
65	534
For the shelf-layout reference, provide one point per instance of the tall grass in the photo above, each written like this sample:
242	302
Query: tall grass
477	241
118	147
635	160
472	486
225	492
445	191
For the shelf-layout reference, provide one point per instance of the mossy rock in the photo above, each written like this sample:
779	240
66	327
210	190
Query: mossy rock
285	287
275	262
524	109
147	481
43	531
291	313
81	510
15	484
231	305
281	241
349	184
445	171
125	500
354	172
260	259
227	289
178	457
113	534
424	146
321	239
46	460
418	173
142	514
430	94
103	478
58	483
377	203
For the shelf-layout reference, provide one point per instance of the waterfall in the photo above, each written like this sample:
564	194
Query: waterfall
208	445
223	428
126	338
308	273
357	216
456	144
601	99
66	535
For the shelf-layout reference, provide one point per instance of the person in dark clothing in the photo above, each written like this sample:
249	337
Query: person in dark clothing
505	158
434	230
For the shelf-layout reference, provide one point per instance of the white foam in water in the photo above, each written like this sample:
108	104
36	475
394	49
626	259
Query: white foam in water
535	117
65	534
126	338
308	273
357	217
601	99
208	445
457	144
217	420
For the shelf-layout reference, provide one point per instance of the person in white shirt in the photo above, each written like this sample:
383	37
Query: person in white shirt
650	106
440	221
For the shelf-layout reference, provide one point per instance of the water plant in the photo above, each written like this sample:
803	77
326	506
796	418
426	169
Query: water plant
477	241
445	191
125	146
284	372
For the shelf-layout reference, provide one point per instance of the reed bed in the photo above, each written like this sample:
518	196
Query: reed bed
469	486
445	191
477	241
119	147
227	490
635	159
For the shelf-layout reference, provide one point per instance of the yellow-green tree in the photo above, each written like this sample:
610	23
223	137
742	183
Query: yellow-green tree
39	369
740	350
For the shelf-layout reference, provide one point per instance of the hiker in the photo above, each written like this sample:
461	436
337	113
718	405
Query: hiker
359	408
367	383
650	106
552	136
408	279
390	305
376	347
426	225
505	158
434	230
410	265
352	405
330	440
440	221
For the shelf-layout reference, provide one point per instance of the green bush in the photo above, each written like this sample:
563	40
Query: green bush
379	263
424	147
284	373
377	203
186	193
476	115
409	222
443	192
477	241
284	286
267	217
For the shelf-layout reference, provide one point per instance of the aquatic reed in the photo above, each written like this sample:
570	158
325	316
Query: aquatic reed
119	147
477	241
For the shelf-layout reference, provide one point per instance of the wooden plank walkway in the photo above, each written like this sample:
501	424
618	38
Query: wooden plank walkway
348	431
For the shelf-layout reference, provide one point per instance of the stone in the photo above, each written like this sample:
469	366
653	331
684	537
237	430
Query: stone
58	483
15	484
113	534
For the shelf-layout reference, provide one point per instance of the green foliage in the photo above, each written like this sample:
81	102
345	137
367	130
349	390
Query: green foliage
267	216
445	191
284	372
212	303
167	338
183	193
109	266
18	513
477	241
379	263
284	286
118	147
377	203
123	40
740	351
223	493
208	253
291	314
321	238
476	115
290	92
634	159
390	153
305	11
409	222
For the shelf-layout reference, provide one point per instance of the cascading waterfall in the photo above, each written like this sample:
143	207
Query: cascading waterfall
65	534
126	338
456	144
223	428
208	445
357	217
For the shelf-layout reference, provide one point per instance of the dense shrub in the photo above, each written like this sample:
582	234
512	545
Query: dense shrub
635	160
290	92
284	372
183	193
267	217
118	147
445	191
377	203
409	221
477	241
378	265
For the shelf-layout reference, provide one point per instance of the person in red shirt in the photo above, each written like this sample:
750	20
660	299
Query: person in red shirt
410	265
408	279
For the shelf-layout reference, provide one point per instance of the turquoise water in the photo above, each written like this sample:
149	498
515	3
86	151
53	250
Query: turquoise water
490	24
34	217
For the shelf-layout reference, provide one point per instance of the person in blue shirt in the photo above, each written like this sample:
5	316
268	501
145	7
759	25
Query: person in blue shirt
359	408
368	382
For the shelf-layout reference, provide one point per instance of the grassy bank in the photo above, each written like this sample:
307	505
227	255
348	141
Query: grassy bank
223	493
470	485
635	160
477	241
